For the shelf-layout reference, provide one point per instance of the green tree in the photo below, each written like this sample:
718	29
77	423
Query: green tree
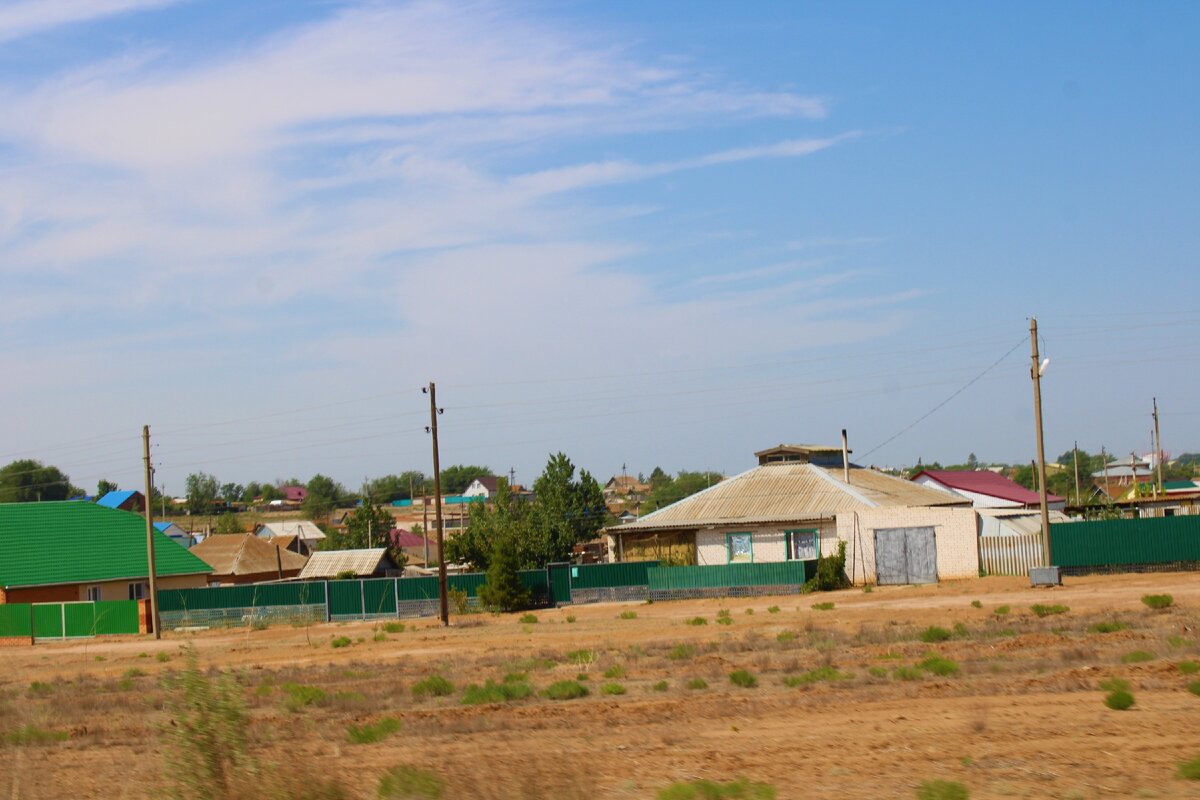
368	525
397	487
104	487
232	492
503	590
202	490
323	495
504	516
457	478
30	481
228	523
675	489
567	511
658	477
972	461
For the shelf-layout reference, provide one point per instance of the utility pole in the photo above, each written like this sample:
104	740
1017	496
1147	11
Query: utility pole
1078	501
154	621
425	523
1158	452
1036	373
437	491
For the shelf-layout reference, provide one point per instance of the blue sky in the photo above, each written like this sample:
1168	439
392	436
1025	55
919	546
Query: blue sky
641	233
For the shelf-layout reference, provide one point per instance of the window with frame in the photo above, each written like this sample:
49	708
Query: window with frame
138	591
740	547
802	544
93	594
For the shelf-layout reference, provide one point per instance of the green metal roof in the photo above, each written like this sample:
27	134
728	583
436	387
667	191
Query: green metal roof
78	542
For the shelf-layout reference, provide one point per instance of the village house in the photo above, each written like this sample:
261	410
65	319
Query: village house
364	563
133	501
304	530
986	489
238	558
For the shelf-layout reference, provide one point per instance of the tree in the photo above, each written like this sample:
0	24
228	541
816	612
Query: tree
672	490
228	523
657	477
202	490
972	461
29	481
231	493
397	487
368	525
457	478
505	515
104	487
503	590
323	494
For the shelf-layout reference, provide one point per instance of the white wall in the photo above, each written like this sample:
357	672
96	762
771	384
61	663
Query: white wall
955	535
769	542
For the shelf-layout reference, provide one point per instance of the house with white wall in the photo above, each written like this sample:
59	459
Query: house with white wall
985	489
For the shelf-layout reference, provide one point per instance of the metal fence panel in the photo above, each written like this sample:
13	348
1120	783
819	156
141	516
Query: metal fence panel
728	576
116	617
346	598
16	619
468	582
536	582
1010	555
1126	542
48	620
380	597
605	576
420	589
248	596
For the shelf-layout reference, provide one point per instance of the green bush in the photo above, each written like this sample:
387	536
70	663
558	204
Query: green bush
393	627
907	674
742	678
1001	611
341	641
1188	667
681	652
1108	627
458	600
785	636
502	589
1194	688
492	692
661	686
627	615
697	683
1190	770
831	572
1118	700
1046	611
300	696
612	688
934	634
162	656
724	613
32	735
724	620
615	671
433	686
962	630
976	604
565	690
868	589
40	688
205	746
740	789
818	675
773	610
1114	685
528	619
937	665
570	617
877	672
410	783
822	606
942	790
697	621
1137	657
372	733
1158	601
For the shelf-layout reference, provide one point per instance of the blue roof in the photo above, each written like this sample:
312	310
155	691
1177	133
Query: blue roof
162	526
114	499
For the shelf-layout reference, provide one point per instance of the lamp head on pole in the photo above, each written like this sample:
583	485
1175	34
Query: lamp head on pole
1042	368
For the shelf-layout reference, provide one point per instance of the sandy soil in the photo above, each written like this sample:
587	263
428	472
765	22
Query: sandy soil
1024	717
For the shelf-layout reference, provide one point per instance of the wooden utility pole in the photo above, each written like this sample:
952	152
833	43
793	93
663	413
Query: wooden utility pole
1036	374
1075	451
425	523
437	491
150	567
1158	452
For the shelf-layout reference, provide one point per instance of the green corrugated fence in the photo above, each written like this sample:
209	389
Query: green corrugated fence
16	620
1126	544
69	620
607	576
735	580
249	596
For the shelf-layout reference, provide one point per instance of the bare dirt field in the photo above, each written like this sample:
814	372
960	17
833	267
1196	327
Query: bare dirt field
841	707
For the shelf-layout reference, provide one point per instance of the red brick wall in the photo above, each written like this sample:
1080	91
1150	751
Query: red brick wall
44	594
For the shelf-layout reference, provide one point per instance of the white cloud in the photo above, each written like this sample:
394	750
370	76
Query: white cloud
34	16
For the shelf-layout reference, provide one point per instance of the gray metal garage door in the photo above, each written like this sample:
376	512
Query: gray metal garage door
905	555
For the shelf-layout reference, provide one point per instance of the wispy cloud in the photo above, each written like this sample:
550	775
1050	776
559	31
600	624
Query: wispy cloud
34	16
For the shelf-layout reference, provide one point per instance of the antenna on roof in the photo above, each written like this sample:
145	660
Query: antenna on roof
845	457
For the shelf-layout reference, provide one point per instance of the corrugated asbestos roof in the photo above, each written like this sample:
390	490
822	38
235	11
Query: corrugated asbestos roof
787	492
246	554
63	542
331	563
305	529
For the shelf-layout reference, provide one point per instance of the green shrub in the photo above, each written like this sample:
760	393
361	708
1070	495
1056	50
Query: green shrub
502	589
1174	640
205	746
570	617
1001	611
697	621
379	636
697	683
1119	700
615	671
410	783
300	696
1158	601
942	790
773	610
907	674
40	688
868	589
749	611
162	656
822	606
458	600
661	686
937	665
393	627
433	686
742	678
612	688
583	676
1114	685
565	690
627	615
1046	611
724	620
1188	667
32	735
724	613
581	657
681	652
1108	627
372	733
786	636
1194	688
962	631
492	692
528	619
831	572
976	604
1190	770
934	634
1137	657
740	789
818	675
877	672
341	641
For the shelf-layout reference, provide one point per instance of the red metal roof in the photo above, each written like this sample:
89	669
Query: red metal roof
992	484
402	538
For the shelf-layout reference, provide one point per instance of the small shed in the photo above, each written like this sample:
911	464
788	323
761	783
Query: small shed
366	563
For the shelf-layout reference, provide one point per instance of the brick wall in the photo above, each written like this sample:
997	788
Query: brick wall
955	534
770	543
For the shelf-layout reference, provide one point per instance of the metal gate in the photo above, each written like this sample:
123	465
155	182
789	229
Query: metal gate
905	555
559	578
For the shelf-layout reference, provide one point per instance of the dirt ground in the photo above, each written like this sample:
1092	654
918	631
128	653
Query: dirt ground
1023	717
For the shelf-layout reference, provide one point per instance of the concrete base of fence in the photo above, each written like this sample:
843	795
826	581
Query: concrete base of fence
612	594
15	641
1119	569
723	591
238	617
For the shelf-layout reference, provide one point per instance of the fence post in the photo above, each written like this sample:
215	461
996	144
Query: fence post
327	617
62	608
362	599
396	594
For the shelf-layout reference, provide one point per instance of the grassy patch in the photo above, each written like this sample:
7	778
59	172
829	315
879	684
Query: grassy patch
661	686
724	613
1000	611
162	656
724	620
1188	667
528	619
373	732
40	689
1158	601
868	589
32	735
1190	770
614	672
773	610
565	690
341	641
1194	688
627	615
1119	700
393	627
934	634
581	658
492	692
1114	685
570	617
300	696
740	789
786	636
937	665
410	783
612	688
826	606
742	678
1137	657
1047	611
942	790
877	672
697	621
818	675
681	652
433	686
976	604
700	683
907	674
1108	627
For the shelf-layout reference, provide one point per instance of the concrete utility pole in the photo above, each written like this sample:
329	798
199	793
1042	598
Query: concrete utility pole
1158	457
437	491
1075	451
150	566
1036	373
